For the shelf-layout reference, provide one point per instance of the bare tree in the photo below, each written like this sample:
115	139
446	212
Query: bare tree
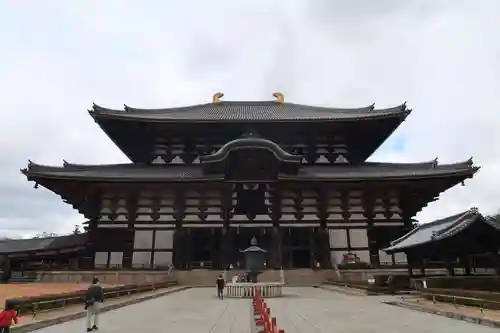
76	230
46	235
495	217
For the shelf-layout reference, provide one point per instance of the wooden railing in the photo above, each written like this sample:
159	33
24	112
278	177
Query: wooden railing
457	301
35	305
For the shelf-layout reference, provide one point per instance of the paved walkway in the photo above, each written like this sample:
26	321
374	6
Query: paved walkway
315	310
46	318
304	310
194	310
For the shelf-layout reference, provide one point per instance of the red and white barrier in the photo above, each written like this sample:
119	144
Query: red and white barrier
262	315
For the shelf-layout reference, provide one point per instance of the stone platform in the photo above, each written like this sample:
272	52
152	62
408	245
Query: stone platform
300	310
118	277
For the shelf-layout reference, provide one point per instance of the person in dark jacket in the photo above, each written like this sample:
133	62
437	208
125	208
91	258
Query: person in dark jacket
220	287
93	296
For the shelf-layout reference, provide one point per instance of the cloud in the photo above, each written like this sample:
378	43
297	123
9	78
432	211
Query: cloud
57	58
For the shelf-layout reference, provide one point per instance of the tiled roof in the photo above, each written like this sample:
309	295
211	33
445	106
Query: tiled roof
439	229
117	172
42	244
137	172
371	170
248	111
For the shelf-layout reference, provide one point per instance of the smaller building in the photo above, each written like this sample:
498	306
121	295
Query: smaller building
466	243
23	257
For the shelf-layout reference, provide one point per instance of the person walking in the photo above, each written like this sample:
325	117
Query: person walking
7	316
93	296
220	287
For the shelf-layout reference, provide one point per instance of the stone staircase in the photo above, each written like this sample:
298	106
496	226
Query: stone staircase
294	277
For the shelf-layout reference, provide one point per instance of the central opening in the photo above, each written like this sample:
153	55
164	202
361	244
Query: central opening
297	245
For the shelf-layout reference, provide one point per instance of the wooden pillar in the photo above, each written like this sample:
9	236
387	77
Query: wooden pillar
466	264
323	236
405	203
276	255
181	256
496	262
369	214
89	259
312	250
410	267
95	199
422	264
128	251
276	249
449	266
225	248
177	259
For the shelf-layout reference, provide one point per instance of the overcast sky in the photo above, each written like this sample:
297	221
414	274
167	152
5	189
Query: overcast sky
57	57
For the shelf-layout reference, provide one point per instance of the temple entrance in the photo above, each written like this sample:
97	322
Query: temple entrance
297	247
201	243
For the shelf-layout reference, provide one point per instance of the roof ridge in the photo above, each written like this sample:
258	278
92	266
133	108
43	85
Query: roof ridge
443	220
401	108
455	222
422	227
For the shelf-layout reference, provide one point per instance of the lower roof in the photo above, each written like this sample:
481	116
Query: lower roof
42	244
439	229
194	172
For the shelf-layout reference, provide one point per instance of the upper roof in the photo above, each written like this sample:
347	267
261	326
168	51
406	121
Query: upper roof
42	244
194	172
248	111
439	229
363	129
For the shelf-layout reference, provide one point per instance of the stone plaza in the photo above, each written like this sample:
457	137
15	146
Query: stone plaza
301	310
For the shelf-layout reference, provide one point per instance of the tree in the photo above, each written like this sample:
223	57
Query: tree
46	235
76	230
495	217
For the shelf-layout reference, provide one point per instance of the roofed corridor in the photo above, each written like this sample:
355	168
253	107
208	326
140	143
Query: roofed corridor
304	310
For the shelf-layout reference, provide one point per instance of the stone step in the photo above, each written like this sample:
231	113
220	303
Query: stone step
294	277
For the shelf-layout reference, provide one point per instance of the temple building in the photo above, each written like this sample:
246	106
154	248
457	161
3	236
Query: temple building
205	179
21	258
465	244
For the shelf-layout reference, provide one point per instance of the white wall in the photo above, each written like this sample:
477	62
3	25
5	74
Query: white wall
338	238
143	239
162	258
116	259
141	259
100	259
358	237
164	239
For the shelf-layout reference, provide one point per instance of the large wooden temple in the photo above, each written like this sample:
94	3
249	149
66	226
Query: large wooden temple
205	179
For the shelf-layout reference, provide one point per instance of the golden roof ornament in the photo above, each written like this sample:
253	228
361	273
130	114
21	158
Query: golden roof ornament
280	98
216	98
